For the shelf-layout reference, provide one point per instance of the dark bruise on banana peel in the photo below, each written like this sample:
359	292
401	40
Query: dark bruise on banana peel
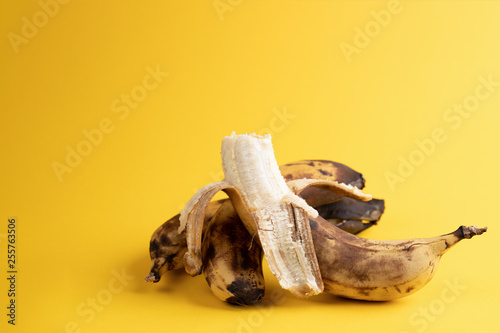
232	260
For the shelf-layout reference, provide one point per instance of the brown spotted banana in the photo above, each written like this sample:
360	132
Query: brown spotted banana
379	270
270	210
167	246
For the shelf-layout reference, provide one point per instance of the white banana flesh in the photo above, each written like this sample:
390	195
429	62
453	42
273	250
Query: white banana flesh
278	216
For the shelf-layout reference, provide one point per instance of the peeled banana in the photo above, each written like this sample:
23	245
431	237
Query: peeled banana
269	208
232	261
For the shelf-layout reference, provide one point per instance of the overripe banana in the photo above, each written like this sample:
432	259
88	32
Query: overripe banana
379	270
269	209
167	247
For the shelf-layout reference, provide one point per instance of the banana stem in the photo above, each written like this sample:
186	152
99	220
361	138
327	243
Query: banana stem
445	242
469	232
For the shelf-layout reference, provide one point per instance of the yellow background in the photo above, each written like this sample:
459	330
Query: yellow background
238	70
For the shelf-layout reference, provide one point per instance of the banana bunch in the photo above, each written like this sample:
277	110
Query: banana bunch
229	252
303	217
